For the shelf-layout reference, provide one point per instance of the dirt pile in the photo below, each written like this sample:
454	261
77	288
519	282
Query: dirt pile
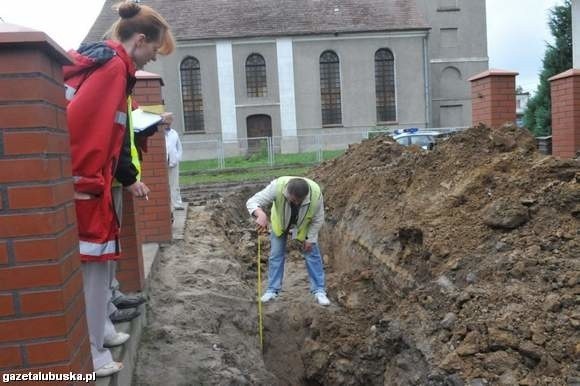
456	265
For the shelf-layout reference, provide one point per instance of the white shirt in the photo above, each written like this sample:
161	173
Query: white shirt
173	147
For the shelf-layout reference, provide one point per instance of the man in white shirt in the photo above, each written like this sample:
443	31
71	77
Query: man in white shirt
297	212
174	153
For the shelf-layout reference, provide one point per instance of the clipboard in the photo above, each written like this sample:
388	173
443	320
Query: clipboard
143	119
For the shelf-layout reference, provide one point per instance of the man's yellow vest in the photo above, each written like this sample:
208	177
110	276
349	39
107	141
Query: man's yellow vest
278	208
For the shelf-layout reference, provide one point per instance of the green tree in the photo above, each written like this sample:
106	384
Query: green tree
557	59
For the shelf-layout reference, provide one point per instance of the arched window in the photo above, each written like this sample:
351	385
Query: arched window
256	82
452	84
191	95
385	85
330	88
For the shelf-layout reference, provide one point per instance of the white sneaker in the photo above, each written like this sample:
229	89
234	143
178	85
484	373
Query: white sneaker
116	340
269	296
108	369
322	299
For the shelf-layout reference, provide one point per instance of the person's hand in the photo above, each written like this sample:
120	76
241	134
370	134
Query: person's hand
167	118
308	246
261	220
139	189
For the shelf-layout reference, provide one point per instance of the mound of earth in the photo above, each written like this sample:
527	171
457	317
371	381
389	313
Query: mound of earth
457	266
453	266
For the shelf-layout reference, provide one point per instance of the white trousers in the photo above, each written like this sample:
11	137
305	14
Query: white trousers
97	292
174	187
114	291
113	288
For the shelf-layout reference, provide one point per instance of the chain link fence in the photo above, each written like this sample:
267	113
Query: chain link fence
264	152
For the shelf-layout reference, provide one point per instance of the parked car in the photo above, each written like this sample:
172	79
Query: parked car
423	138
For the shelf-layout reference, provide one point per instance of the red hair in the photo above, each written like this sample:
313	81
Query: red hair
137	18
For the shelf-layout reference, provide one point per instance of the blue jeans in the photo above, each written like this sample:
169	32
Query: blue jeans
276	265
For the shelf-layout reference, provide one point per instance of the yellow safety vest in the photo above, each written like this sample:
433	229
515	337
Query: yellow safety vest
134	153
277	215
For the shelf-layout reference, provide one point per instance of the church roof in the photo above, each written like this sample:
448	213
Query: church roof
220	19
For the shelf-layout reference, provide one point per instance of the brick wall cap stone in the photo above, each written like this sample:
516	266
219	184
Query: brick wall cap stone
140	74
16	35
566	74
493	72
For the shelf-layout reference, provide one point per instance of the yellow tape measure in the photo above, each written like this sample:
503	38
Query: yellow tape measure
260	318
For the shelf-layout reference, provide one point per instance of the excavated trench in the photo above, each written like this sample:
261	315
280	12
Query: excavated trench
457	266
203	316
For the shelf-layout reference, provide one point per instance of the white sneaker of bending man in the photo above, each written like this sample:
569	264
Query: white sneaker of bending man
322	299
268	296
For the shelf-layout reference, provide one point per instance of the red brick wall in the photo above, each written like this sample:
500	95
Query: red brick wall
42	317
154	215
493	98
130	272
565	89
145	221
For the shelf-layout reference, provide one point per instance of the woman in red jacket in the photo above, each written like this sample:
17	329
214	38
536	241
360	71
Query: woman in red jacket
98	87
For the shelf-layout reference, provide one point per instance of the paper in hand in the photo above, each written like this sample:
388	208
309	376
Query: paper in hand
142	120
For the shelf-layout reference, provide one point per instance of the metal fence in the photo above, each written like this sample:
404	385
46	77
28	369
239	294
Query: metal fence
268	152
272	151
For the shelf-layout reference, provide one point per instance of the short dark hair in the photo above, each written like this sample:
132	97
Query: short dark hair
298	187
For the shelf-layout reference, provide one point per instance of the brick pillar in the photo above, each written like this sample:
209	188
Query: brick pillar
565	89
145	221
130	271
493	97
154	215
42	311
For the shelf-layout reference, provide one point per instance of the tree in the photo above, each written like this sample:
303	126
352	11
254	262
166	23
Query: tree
557	59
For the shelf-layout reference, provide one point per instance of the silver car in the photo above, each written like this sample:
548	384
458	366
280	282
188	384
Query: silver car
426	139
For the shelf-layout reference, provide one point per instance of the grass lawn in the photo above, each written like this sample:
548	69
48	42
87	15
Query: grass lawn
256	160
240	176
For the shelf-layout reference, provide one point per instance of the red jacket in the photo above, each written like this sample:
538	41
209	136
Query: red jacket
97	86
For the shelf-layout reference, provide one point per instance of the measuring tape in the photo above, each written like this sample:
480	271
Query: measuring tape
260	317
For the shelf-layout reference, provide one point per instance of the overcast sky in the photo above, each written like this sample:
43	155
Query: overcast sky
517	29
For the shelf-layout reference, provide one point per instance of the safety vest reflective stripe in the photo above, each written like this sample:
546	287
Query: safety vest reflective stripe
69	92
121	118
96	249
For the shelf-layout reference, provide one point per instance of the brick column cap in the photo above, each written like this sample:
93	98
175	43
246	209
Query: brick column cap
149	76
566	74
16	35
493	72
